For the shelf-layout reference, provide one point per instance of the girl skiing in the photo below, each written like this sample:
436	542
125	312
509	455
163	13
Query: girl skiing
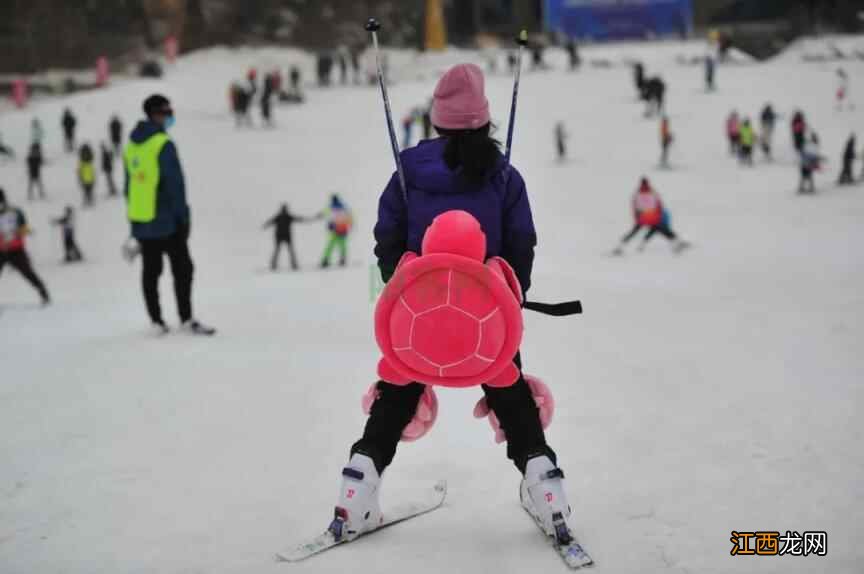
648	211
86	173
463	169
339	225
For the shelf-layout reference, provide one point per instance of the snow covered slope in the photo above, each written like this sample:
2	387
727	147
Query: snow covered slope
715	391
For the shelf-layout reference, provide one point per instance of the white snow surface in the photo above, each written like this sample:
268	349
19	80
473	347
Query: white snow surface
713	391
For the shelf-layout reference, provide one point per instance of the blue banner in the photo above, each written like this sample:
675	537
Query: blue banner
619	19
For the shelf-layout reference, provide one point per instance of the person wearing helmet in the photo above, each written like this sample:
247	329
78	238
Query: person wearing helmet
649	213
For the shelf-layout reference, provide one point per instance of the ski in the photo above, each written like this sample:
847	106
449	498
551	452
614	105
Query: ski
432	499
572	553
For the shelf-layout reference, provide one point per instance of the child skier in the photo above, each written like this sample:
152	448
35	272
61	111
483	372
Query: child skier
115	133
733	133
810	161
649	212
86	173
67	224
666	138
461	170
746	137
282	224
767	119
846	177
561	140
799	130
842	93
13	230
108	169
34	172
68	123
339	225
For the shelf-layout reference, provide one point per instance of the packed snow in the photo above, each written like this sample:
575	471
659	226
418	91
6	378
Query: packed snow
713	391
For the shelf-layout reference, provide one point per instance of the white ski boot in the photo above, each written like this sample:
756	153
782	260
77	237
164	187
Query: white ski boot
357	510
542	495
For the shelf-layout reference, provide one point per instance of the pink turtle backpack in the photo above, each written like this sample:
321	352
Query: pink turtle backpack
449	317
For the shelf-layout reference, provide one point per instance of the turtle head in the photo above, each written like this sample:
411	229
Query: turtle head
456	232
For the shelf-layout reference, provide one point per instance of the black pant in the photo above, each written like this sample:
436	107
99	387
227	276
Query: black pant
280	241
32	185
87	190
514	406
846	173
112	189
71	248
20	261
177	250
660	228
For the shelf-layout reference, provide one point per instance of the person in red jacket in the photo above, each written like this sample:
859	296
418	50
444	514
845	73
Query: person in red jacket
13	230
649	212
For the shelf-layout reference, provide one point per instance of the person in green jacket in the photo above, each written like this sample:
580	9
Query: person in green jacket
748	138
339	224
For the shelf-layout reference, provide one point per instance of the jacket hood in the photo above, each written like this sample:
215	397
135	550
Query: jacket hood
144	130
425	169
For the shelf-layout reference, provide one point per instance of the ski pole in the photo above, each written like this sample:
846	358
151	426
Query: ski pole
372	26
522	40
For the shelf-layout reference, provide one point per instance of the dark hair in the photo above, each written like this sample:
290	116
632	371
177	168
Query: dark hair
475	151
156	104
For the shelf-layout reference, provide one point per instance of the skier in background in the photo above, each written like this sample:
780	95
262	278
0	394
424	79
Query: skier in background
846	177
6	150
34	172
407	129
13	231
810	161
561	141
710	69
266	99
159	213
107	157
37	133
426	120
767	120
282	224
462	169
71	253
69	122
842	93
733	133
747	138
649	213
799	130
666	139
86	173
339	225
115	134
573	54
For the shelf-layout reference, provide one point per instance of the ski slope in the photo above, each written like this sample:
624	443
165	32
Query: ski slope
714	391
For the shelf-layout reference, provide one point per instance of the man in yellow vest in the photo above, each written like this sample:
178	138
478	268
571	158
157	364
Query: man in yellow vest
159	214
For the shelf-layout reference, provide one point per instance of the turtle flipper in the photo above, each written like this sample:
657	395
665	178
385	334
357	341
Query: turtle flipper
507	377
389	375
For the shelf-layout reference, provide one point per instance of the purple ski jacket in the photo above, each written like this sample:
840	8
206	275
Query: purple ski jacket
500	204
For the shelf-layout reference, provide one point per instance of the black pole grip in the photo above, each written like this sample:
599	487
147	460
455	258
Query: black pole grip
372	25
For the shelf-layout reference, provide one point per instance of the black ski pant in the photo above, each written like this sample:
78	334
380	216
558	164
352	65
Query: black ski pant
153	252
32	185
806	185
514	406
846	173
112	188
87	190
71	248
661	228
274	261
19	260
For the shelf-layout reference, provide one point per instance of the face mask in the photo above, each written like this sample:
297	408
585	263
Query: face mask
169	122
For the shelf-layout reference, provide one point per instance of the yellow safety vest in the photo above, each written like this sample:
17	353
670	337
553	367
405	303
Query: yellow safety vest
86	172
142	165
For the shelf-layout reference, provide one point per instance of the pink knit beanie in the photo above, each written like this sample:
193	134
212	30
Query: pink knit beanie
459	102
